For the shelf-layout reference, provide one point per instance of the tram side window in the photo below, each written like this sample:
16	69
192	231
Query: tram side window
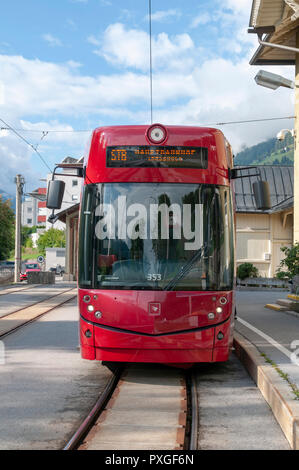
86	236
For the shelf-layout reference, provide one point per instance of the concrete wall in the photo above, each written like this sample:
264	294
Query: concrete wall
260	237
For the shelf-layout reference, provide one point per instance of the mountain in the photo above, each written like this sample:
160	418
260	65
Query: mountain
270	152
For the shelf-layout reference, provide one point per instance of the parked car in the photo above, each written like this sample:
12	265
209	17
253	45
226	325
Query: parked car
59	270
29	267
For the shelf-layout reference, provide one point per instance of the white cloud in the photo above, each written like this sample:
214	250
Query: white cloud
201	19
1	93
51	40
189	87
93	40
239	6
130	48
161	15
16	156
227	92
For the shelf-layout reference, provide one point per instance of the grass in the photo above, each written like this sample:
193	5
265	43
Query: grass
27	253
284	376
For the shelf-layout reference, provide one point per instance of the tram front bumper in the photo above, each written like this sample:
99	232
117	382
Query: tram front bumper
110	344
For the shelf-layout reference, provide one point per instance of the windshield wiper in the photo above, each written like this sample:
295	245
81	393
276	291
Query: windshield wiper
185	269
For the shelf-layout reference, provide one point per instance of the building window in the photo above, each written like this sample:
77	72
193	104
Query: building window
74	182
29	209
74	197
29	221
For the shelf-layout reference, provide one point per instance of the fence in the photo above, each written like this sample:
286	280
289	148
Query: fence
262	282
6	274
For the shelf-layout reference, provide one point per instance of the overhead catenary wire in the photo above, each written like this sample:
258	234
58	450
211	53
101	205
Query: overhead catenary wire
27	142
220	123
249	120
44	133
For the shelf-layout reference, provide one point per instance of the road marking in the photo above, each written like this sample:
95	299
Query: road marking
270	340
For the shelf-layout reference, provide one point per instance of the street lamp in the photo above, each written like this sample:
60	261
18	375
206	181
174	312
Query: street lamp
272	80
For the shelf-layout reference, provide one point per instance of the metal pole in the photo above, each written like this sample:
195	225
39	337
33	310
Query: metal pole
19	180
277	46
296	152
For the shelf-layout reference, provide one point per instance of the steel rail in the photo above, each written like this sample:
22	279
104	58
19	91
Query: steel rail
194	413
31	320
14	289
95	412
35	303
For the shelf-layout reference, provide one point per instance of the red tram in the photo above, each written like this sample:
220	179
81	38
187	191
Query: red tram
156	246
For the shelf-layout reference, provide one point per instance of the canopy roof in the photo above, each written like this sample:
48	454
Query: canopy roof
279	19
281	185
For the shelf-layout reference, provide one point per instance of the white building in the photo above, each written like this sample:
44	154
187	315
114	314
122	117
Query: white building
29	211
54	257
72	191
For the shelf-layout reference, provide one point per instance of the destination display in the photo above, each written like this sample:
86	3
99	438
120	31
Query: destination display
132	156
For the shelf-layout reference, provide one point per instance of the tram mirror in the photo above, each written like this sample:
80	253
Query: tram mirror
55	194
261	193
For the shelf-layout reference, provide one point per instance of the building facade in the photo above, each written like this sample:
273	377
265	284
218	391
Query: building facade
260	235
34	208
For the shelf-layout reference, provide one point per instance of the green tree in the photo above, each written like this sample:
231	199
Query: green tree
289	266
50	239
7	220
26	232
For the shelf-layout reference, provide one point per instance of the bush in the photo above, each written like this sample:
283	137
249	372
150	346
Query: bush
51	238
246	270
289	266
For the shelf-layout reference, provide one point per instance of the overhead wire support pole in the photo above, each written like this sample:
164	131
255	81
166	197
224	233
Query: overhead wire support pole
150	57
19	180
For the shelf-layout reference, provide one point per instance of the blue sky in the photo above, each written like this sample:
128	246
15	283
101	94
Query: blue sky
76	64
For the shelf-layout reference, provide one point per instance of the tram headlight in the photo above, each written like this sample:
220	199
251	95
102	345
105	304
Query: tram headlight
211	316
90	308
156	134
219	309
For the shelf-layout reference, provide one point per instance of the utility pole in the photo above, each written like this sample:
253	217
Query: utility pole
296	151
19	180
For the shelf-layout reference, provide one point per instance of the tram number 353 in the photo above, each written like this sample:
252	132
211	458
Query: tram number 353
154	277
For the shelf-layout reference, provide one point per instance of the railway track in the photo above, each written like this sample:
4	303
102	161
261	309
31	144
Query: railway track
20	317
143	407
12	290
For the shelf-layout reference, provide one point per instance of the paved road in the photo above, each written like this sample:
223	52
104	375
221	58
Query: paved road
46	389
233	415
281	328
13	301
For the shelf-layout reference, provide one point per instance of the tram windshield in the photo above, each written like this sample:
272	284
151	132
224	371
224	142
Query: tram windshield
156	236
